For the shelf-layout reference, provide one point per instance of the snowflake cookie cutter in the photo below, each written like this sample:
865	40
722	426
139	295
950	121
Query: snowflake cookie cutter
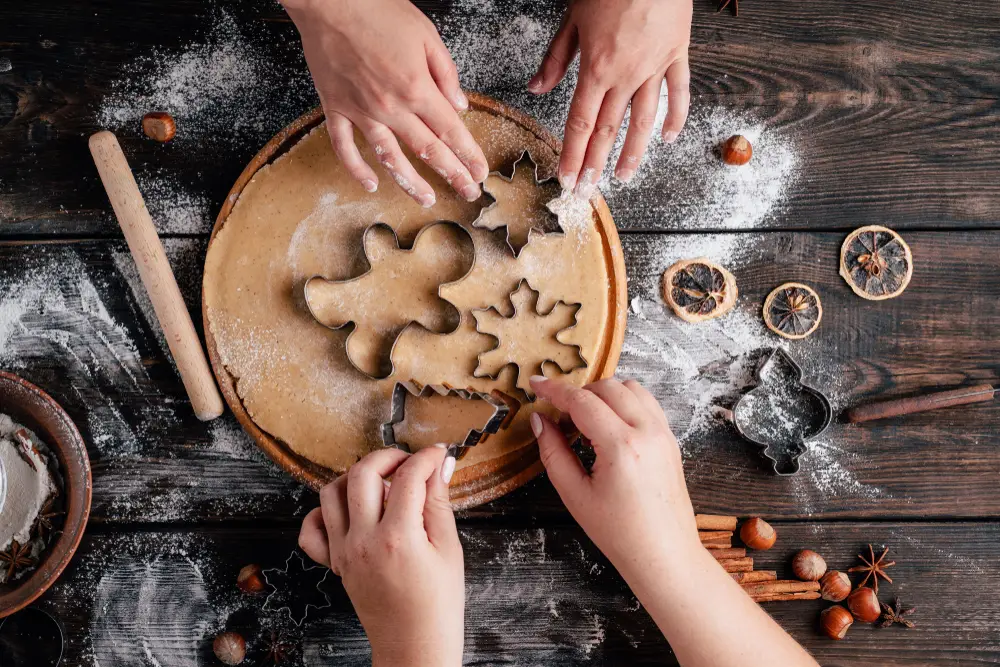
288	574
553	228
504	409
776	421
383	373
539	365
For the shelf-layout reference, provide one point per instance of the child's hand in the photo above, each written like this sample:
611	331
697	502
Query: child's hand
634	503
402	565
380	66
627	48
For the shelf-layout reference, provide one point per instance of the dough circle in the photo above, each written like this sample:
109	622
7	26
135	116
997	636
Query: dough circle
302	215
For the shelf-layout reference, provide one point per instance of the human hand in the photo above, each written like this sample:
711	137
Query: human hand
627	48
634	503
402	565
380	66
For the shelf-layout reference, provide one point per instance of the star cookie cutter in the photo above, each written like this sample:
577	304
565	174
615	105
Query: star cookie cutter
288	574
504	409
554	228
412	323
779	414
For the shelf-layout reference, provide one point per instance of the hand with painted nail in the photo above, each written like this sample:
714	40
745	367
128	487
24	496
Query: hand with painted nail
380	66
627	49
388	530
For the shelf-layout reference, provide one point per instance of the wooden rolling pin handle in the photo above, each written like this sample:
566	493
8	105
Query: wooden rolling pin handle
157	277
906	406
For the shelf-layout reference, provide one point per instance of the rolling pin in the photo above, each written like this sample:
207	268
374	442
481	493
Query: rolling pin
157	277
907	406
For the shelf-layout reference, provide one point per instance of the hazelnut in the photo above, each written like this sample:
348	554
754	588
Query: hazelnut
737	150
159	126
835	622
834	586
757	534
808	565
863	603
230	648
250	579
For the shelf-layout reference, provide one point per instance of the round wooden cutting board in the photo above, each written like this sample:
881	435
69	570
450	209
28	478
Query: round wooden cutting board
508	465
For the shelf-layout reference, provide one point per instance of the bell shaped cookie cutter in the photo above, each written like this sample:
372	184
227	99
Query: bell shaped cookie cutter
504	409
351	323
781	412
552	217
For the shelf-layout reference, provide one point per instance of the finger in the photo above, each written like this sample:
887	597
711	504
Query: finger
391	156
642	118
439	516
678	99
365	489
580	122
648	401
445	74
312	538
621	400
609	120
405	507
333	507
449	128
557	60
564	467
342	137
592	416
439	156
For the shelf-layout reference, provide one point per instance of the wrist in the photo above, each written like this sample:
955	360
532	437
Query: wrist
662	565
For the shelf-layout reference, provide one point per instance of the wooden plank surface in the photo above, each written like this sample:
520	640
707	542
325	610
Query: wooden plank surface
533	597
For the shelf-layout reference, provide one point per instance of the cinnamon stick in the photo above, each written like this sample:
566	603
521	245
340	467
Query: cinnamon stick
737	564
718	544
727	554
780	597
754	576
715	522
782	586
712	535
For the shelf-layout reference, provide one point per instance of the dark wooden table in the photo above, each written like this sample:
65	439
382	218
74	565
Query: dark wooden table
895	108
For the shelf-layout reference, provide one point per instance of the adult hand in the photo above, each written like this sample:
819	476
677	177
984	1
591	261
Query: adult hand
396	548
627	48
381	67
633	503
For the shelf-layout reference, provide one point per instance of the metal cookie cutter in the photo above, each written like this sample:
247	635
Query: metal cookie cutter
780	413
286	596
504	409
383	373
553	228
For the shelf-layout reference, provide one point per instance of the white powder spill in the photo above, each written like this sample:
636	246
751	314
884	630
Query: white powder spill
174	209
6	65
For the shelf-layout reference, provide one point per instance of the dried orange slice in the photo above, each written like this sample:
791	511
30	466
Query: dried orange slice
698	289
793	310
876	262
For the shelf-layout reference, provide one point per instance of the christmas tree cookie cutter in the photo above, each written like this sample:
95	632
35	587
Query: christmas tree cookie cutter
552	225
504	409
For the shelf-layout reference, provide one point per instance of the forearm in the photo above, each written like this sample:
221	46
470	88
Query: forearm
707	618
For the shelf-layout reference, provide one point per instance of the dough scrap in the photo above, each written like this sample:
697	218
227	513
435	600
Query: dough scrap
528	337
400	287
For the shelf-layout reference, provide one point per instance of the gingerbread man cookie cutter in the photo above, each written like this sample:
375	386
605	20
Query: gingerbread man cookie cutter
553	228
387	367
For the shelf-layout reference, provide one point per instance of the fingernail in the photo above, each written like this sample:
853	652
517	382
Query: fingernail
585	187
670	137
568	180
427	200
625	175
448	468
535	84
386	485
480	173
461	101
536	423
441	445
537	379
369	185
471	192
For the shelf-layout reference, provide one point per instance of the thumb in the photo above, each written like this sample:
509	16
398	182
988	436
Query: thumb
557	60
439	517
562	464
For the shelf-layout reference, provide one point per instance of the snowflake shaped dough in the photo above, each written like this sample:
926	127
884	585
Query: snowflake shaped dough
401	288
528	338
519	203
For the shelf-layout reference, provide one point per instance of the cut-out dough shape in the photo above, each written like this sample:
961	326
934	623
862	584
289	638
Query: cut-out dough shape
528	338
401	288
508	195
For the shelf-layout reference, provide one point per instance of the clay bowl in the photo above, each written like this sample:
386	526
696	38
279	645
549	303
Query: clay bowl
27	404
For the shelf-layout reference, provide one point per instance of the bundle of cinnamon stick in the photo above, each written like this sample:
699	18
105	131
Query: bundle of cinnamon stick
716	533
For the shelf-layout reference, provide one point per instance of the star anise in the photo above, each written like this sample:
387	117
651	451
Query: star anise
895	615
725	3
278	650
44	526
873	568
15	558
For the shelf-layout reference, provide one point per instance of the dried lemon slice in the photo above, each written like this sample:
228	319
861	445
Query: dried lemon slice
876	262
698	290
793	310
